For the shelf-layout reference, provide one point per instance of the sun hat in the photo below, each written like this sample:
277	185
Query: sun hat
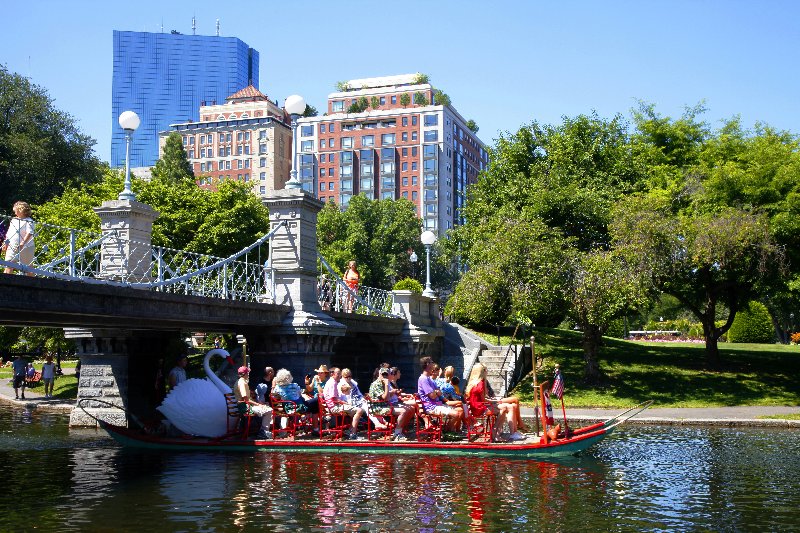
244	370
322	368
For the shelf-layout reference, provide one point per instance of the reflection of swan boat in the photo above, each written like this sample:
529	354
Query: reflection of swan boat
564	444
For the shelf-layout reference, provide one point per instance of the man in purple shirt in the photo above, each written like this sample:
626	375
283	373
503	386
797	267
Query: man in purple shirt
431	397
336	403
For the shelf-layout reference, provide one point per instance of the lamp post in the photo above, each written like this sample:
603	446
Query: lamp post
413	258
129	122
295	106
428	238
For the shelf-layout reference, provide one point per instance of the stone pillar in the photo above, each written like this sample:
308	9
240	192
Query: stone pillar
103	376
422	332
307	333
128	257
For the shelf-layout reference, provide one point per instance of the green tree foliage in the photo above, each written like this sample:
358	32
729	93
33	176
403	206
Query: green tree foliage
405	99
310	111
359	106
473	126
752	324
440	98
343	86
377	234
375	102
42	151
173	165
420	99
420	79
215	222
408	284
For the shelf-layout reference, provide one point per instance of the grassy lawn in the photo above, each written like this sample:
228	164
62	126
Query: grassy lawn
671	374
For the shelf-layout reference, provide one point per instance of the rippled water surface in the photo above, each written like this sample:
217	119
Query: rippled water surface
640	479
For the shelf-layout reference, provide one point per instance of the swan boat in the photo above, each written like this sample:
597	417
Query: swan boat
200	410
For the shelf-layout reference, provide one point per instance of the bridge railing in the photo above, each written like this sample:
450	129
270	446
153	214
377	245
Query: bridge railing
334	295
68	253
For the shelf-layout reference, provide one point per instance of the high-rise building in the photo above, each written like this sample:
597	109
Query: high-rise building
385	138
166	77
245	139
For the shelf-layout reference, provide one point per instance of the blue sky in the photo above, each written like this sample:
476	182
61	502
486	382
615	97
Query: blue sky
504	64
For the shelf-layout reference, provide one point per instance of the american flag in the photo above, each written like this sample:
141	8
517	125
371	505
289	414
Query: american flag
558	385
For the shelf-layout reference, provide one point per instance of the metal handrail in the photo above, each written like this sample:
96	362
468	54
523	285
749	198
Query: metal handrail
374	302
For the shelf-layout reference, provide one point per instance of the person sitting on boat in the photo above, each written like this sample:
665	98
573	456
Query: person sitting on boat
400	398
355	396
514	401
247	406
318	382
431	397
386	401
284	388
263	389
479	402
335	402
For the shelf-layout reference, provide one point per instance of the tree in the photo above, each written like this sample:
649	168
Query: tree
375	102
405	99
173	165
421	79
375	233
705	260
440	98
42	151
343	86
359	105
310	111
473	126
420	99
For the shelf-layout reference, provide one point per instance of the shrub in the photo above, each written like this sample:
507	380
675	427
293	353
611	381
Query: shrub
752	324
795	338
408	284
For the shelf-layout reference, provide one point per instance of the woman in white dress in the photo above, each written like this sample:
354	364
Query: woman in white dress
18	245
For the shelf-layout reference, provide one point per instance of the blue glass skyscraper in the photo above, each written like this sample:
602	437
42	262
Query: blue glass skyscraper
165	77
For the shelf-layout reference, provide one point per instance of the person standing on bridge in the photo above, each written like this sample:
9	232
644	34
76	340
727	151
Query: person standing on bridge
352	277
18	245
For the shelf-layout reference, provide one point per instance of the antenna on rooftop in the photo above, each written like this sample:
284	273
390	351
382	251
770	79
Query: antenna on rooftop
194	25
162	25
217	27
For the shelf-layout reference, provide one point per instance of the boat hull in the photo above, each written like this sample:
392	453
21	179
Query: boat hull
577	443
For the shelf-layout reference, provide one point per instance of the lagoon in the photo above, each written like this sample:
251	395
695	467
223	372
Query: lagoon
639	479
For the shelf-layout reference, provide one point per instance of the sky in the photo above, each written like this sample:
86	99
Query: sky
504	64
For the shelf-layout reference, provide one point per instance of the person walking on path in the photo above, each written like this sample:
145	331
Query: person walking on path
48	376
18	245
20	366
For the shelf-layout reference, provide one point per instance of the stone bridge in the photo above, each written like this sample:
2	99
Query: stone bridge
124	334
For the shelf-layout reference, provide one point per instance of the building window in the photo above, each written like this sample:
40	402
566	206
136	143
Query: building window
331	185
322	128
262	176
413	151
413	135
404	121
239	136
347	171
414	195
383	100
387	195
431	120
330	158
347	142
414	120
430	209
430	195
405	181
239	163
322	173
431	136
387	139
413	180
262	190
337	105
367	140
404	136
239	150
306	131
202	167
413	165
262	134
322	144
429	150
262	149
306	146
405	195
405	152
262	162
366	183
394	99
246	163
404	167
322	185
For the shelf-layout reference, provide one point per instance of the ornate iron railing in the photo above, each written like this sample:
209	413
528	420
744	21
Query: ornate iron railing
334	295
67	253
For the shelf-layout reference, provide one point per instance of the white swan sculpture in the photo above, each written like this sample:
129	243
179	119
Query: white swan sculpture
198	406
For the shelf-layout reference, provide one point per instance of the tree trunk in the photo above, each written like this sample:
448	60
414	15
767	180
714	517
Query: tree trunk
712	351
591	343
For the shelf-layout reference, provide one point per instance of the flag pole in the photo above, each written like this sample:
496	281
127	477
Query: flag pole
563	409
535	386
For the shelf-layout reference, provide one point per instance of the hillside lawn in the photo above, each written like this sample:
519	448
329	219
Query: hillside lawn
672	374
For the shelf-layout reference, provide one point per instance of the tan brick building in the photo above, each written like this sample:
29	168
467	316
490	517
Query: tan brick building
245	139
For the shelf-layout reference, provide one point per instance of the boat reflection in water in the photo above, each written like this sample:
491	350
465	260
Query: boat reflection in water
665	479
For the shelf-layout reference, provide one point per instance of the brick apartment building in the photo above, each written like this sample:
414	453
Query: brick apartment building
245	139
393	149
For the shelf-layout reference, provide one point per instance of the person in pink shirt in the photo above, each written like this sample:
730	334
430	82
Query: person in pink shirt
336	403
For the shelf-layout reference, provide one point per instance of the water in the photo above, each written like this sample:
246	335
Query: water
640	479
